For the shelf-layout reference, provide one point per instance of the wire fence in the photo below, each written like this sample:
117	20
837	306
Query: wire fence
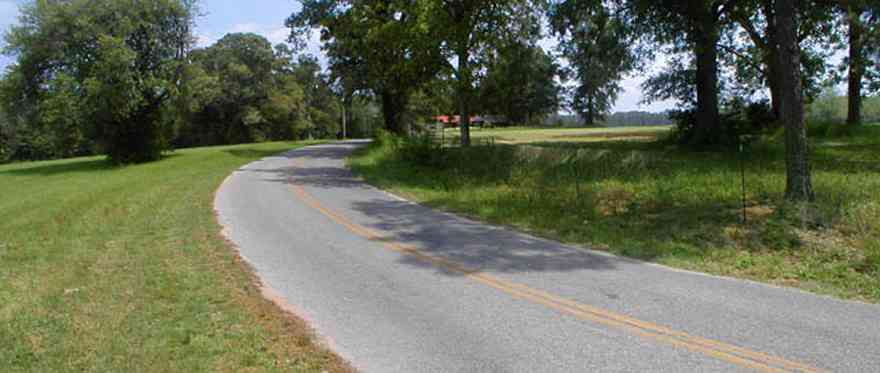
442	139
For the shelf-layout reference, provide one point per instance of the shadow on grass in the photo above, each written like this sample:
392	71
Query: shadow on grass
66	167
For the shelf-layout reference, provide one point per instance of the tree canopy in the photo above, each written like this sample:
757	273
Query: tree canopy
98	74
597	40
520	83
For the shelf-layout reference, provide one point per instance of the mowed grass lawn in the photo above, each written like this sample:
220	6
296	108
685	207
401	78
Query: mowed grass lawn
650	201
122	269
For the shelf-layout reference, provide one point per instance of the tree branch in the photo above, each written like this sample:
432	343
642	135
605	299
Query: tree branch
747	59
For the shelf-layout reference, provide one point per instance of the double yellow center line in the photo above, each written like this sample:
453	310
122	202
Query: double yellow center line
725	352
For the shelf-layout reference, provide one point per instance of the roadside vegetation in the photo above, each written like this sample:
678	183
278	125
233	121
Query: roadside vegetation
123	269
655	202
521	135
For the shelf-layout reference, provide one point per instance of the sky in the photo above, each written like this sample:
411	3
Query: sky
266	17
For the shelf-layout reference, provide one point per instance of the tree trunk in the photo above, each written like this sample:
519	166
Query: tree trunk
771	60
773	76
856	67
798	184
391	110
464	88
706	38
591	116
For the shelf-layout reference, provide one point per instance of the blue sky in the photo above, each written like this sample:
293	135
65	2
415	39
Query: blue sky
266	17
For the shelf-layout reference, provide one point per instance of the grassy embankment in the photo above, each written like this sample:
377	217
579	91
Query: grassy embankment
122	269
644	200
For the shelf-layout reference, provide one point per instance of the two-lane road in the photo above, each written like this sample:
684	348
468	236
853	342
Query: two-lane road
398	287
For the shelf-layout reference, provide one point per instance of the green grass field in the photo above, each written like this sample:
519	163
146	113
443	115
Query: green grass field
653	202
123	269
521	135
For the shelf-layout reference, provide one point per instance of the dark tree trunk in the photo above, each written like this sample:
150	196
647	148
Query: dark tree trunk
591	115
771	61
392	108
775	91
706	36
464	89
856	67
765	41
798	184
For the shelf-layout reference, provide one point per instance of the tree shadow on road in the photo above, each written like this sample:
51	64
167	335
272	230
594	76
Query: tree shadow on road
474	245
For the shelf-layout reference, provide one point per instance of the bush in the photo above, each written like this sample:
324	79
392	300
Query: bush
742	121
421	150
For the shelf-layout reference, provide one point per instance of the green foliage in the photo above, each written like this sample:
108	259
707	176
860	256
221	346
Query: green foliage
740	122
381	46
520	84
830	107
599	44
239	90
102	70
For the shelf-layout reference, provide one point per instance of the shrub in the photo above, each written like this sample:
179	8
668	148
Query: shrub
742	121
421	150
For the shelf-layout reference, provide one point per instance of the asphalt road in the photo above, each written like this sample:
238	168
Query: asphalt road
398	287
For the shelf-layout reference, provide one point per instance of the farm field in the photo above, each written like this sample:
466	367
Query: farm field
123	269
645	200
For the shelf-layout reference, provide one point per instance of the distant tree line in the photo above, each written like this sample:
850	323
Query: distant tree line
637	118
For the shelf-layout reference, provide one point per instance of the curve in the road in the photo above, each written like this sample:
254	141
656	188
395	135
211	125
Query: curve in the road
312	207
719	350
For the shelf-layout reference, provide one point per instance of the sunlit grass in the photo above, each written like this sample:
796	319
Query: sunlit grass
650	201
122	269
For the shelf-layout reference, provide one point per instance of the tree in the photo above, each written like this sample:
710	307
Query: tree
380	45
520	84
862	18
322	106
798	186
696	26
467	29
112	67
242	90
241	71
758	64
599	47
